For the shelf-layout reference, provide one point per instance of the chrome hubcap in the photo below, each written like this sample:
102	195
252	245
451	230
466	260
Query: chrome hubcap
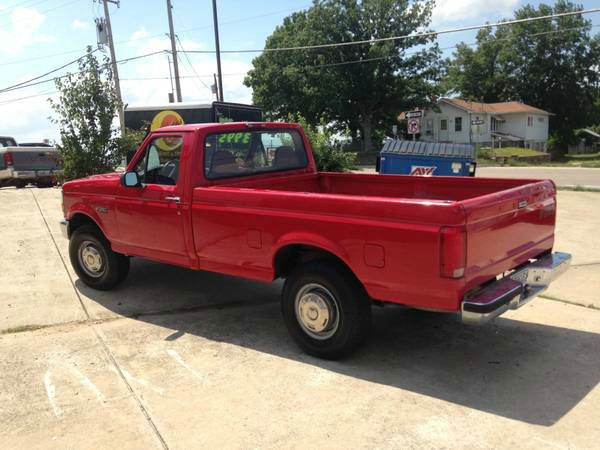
90	259
317	311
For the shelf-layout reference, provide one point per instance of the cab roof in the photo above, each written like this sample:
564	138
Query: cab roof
226	126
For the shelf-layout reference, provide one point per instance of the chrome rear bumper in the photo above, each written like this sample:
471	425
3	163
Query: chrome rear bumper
514	290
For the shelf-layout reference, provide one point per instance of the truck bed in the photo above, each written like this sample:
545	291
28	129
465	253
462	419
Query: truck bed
397	186
501	223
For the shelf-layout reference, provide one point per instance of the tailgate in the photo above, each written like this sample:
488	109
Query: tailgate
507	228
34	158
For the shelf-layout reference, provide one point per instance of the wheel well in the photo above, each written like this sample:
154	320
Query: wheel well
291	256
79	220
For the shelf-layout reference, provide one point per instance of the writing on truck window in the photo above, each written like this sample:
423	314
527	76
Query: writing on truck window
251	152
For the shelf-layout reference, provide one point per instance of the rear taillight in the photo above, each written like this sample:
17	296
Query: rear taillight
8	159
453	252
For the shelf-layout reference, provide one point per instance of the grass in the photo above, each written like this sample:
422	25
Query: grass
512	155
508	152
587	160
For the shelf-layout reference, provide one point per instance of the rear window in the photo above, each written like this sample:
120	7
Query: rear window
251	152
7	142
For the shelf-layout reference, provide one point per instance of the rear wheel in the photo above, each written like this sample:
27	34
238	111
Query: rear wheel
326	310
94	261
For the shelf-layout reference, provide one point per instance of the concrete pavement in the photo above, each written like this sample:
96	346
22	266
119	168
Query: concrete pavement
180	359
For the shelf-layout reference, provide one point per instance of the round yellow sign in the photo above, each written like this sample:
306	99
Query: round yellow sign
164	119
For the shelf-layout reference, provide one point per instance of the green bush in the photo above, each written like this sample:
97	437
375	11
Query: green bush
329	154
84	113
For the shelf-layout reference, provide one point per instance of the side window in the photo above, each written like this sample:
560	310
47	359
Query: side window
458	124
159	164
251	152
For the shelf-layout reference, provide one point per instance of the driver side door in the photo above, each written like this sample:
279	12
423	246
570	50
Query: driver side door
149	217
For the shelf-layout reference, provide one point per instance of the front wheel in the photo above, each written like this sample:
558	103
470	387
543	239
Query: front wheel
326	310
94	261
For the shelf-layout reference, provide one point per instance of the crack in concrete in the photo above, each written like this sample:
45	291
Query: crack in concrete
569	302
103	343
586	264
166	312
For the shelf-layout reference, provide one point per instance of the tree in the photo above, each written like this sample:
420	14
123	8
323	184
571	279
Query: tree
550	64
327	149
87	105
478	73
359	87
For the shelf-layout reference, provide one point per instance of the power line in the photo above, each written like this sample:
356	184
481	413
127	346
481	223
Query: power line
408	36
42	12
190	64
6	12
16	100
122	61
142	38
23	85
10	88
36	58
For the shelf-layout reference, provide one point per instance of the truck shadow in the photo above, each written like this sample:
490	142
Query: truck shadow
524	371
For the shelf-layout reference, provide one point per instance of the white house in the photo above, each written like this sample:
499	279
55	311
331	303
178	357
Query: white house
494	124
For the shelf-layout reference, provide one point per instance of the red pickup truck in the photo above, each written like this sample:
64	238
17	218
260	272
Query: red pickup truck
245	199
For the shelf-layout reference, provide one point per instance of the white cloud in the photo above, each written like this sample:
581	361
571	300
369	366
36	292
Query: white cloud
28	116
194	88
80	25
452	12
22	31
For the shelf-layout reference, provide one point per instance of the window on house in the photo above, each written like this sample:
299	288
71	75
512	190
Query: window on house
458	124
429	127
493	124
444	124
529	121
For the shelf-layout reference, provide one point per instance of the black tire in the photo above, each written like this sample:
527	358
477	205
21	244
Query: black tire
123	266
333	282
113	267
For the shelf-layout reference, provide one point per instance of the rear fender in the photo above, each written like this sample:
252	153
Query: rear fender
313	240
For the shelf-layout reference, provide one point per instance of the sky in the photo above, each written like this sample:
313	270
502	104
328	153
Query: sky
39	35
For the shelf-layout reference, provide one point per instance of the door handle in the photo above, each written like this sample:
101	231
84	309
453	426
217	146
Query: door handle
173	199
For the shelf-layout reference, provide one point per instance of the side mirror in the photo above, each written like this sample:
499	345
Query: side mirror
130	179
130	155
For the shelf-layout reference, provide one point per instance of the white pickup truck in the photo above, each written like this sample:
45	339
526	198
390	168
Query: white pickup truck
20	165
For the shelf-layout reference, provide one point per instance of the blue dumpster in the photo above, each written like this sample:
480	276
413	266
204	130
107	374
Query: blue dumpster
426	159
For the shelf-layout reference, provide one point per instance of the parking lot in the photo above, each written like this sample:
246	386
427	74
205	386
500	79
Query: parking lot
181	359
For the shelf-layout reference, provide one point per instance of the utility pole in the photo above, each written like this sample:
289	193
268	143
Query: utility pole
174	51
113	59
215	87
216	24
171	99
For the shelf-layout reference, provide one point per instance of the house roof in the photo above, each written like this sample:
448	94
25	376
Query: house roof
494	108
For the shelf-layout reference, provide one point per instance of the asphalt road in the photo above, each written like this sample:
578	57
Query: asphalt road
562	176
178	359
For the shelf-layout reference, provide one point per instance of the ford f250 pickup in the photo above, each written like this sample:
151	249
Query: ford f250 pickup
245	199
19	165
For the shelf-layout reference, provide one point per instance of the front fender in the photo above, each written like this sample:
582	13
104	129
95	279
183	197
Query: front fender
91	213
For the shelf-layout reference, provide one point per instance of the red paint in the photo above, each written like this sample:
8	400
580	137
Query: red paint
402	236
